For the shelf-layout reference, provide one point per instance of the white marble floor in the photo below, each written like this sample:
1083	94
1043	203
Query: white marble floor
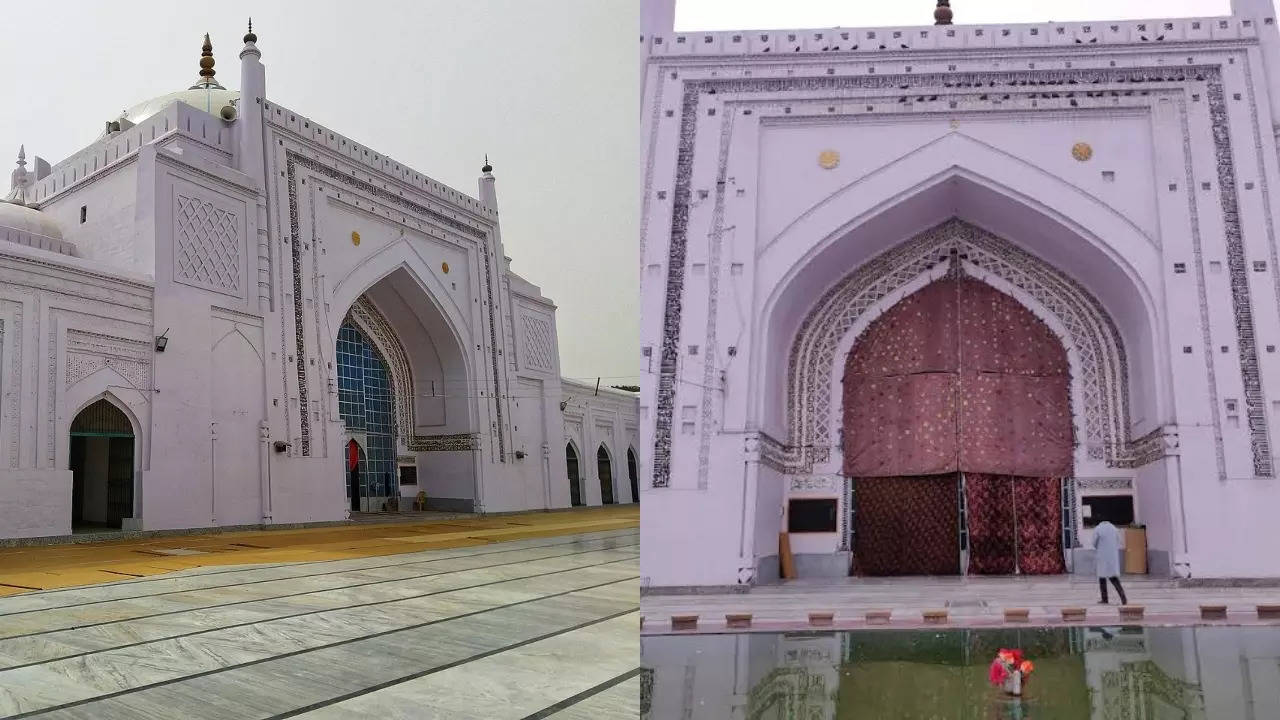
538	628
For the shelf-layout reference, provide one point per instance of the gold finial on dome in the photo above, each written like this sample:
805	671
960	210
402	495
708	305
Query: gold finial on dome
206	68
942	14
206	59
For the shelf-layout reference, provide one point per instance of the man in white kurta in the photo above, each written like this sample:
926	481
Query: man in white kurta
1106	543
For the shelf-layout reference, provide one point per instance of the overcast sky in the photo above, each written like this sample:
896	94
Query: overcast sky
751	14
549	88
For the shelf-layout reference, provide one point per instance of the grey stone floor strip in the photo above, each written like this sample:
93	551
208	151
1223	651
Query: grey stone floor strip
574	707
286	686
37	601
504	685
70	644
224	656
76	621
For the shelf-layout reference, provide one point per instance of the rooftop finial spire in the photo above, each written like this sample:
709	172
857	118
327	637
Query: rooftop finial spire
19	181
249	37
487	167
206	81
206	60
942	14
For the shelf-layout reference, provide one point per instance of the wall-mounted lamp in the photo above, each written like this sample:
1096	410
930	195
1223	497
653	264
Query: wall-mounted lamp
162	341
563	404
519	454
280	446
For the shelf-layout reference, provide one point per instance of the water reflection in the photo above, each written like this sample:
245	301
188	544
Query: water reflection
1133	673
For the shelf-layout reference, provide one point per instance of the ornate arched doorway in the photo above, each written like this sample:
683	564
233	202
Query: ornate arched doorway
604	467
102	465
575	479
365	404
957	432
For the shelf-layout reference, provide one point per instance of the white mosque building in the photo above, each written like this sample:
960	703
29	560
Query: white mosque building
937	299
223	313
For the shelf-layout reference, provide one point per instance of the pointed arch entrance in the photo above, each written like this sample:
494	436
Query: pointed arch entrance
102	466
574	475
957	432
604	469
633	472
364	402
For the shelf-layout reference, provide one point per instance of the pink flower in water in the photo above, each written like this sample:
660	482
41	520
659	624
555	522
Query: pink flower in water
999	672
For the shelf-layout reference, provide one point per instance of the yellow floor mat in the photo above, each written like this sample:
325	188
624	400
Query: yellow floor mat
43	567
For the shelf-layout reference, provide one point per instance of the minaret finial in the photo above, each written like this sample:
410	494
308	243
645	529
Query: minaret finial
942	14
206	81
249	37
487	167
22	156
206	60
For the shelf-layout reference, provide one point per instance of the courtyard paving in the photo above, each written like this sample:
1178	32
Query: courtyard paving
969	602
520	617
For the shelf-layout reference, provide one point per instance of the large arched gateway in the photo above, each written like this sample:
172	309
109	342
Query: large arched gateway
957	435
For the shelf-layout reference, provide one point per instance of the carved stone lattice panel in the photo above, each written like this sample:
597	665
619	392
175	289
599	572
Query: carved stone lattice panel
89	352
445	443
1104	483
1101	363
206	250
539	344
814	483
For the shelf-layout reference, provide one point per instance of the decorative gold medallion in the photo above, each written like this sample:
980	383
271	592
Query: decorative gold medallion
355	238
828	159
444	266
1082	152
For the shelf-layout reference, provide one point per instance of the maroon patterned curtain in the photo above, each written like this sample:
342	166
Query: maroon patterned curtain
1014	518
1039	514
907	526
957	377
989	501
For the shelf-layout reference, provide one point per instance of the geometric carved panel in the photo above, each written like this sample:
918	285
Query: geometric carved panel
206	249
88	352
539	345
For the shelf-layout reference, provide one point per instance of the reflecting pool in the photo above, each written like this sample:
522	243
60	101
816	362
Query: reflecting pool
1102	673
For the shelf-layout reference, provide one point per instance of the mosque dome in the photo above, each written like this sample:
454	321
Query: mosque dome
24	225
207	94
209	99
20	220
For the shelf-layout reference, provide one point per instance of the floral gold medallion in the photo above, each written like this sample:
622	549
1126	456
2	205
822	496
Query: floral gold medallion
444	266
1082	151
355	238
828	159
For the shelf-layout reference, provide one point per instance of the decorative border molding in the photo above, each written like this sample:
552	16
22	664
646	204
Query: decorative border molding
299	328
15	385
365	315
1104	483
445	443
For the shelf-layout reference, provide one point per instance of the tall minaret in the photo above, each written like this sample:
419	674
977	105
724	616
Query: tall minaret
488	185
1263	14
250	151
253	92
